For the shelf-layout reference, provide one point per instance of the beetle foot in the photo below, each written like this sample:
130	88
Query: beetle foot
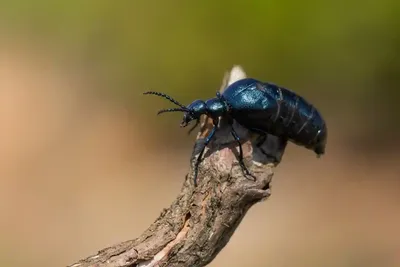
253	177
247	173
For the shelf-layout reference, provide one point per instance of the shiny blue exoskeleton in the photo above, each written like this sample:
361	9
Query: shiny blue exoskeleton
261	107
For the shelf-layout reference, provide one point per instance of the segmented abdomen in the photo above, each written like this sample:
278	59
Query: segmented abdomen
295	117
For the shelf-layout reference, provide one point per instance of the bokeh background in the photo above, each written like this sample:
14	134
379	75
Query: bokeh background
86	163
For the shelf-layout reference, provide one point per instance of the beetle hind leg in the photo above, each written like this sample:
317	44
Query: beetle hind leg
260	141
242	165
274	148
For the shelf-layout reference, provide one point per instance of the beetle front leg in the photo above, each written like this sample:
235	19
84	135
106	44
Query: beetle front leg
244	168
198	161
194	126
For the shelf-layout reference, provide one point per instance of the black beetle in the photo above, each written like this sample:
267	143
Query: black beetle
261	107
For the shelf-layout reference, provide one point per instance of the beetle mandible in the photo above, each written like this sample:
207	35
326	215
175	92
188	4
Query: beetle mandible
261	107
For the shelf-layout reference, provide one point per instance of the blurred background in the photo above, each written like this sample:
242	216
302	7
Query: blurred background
86	163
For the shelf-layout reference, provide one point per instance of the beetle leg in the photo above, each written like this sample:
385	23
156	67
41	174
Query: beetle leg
260	140
244	168
194	126
275	145
274	149
198	161
262	136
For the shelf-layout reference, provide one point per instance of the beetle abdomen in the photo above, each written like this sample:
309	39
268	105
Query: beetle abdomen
278	111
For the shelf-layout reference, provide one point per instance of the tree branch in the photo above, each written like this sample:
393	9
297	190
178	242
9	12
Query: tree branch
200	222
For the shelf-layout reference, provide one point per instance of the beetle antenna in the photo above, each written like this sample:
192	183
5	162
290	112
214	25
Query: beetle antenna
172	110
165	96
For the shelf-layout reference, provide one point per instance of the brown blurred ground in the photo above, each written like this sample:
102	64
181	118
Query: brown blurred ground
78	173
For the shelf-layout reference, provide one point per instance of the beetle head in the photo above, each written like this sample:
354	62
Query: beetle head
195	110
191	112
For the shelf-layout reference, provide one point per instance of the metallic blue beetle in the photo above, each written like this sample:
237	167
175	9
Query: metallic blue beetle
261	107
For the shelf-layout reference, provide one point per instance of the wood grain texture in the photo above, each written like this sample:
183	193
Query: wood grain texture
201	220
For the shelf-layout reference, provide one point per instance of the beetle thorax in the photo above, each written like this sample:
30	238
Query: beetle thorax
216	107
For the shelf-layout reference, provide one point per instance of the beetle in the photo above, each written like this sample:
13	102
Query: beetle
261	107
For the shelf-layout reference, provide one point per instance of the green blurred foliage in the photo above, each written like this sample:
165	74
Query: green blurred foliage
341	55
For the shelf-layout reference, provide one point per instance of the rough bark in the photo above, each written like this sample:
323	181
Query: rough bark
200	222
